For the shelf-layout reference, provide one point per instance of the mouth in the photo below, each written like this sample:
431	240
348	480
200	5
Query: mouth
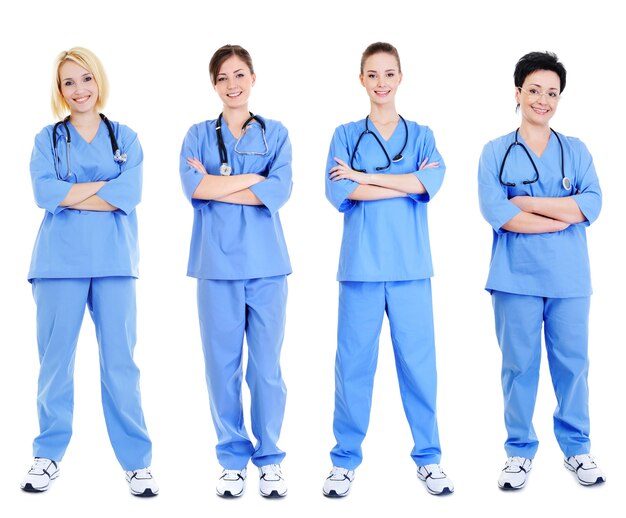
540	111
82	100
382	93
234	94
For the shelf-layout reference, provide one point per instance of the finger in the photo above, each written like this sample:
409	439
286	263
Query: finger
341	162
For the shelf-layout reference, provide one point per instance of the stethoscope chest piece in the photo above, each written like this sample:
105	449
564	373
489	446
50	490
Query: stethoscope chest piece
567	185
225	170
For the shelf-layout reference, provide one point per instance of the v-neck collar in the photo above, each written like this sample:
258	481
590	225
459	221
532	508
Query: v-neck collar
77	133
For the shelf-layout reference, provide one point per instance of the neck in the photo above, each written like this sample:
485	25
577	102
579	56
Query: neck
383	114
235	117
530	131
84	119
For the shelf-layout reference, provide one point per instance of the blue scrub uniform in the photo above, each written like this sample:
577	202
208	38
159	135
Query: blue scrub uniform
239	256
541	279
385	267
88	259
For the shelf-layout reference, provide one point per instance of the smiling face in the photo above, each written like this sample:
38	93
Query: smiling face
381	77
234	82
539	97
78	88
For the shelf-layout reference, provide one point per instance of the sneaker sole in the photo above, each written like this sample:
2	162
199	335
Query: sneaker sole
444	491
508	487
273	494
30	489
146	494
228	494
334	494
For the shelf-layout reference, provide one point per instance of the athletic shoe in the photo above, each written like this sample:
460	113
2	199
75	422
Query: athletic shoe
142	483
231	483
587	471
437	482
338	483
40	475
515	473
271	481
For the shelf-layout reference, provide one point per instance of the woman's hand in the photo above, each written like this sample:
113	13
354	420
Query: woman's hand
426	165
343	172
197	165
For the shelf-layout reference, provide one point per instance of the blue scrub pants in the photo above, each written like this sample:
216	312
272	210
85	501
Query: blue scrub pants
228	309
60	310
408	305
519	319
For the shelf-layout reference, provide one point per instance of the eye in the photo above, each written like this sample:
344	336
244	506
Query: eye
371	76
240	75
391	74
220	79
68	83
533	91
553	95
86	79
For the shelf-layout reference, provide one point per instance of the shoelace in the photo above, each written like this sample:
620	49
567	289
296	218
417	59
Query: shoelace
40	465
271	470
143	473
585	461
233	474
434	471
340	474
516	463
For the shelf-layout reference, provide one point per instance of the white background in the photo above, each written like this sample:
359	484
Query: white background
458	60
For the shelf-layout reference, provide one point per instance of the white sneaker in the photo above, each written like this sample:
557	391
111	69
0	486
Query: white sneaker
231	483
437	482
338	483
142	483
40	475
271	481
586	469
515	473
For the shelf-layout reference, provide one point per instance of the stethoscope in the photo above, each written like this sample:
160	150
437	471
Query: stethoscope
367	131
225	168
118	156
567	184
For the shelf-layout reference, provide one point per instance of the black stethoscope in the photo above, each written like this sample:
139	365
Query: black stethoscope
367	131
118	156
225	168
567	184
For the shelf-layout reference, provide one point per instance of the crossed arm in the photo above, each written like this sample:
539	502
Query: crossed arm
379	186
541	215
227	189
83	196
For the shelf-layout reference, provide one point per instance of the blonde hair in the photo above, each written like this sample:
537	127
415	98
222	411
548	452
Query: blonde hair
90	62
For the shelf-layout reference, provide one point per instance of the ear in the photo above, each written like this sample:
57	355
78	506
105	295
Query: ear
253	79
361	79
400	77
517	95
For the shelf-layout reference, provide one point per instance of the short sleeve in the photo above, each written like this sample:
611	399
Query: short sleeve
275	190
189	176
432	177
337	192
494	203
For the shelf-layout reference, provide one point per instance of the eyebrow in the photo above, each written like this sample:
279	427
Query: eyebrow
72	79
224	73
549	88
388	70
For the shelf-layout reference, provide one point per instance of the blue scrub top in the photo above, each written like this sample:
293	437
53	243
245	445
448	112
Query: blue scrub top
554	264
384	240
231	241
80	243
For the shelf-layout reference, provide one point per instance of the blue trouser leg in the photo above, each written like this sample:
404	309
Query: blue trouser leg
266	301
113	310
409	309
222	314
566	334
519	319
60	311
361	310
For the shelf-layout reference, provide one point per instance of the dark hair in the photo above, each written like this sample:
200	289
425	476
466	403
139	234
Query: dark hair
534	61
378	48
224	53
